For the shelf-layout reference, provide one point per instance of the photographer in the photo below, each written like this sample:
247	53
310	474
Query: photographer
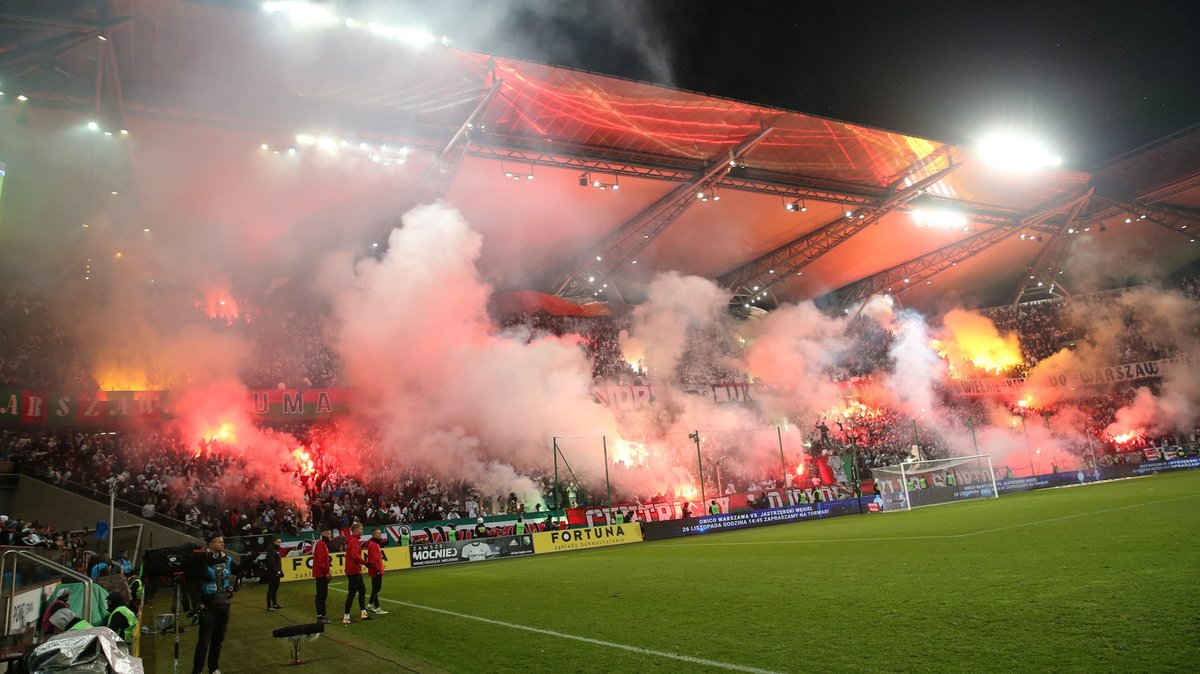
216	591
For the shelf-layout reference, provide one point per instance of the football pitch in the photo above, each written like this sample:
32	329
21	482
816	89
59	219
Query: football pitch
1095	578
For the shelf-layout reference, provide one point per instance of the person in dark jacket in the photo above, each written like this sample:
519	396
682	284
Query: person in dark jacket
60	602
216	593
274	573
322	573
121	619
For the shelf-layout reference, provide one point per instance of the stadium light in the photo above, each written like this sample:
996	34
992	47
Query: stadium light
939	217
301	13
1019	154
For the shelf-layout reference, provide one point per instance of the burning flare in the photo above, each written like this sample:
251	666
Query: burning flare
972	342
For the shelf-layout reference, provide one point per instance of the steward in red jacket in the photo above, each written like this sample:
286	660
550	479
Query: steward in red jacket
375	570
354	581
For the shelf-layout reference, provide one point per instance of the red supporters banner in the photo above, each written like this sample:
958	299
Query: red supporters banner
115	407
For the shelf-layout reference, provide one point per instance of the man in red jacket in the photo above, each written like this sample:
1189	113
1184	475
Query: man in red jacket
322	573
375	570
354	563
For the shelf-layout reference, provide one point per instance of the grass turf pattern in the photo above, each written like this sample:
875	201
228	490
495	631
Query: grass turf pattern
1093	578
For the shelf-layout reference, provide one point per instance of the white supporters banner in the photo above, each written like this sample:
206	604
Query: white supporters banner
1110	374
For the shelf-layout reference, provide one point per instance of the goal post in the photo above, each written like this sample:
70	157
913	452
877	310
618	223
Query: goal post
914	484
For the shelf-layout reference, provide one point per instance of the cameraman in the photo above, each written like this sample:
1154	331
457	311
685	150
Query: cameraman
216	591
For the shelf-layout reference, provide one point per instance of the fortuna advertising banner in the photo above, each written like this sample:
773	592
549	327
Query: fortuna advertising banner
300	567
590	537
476	550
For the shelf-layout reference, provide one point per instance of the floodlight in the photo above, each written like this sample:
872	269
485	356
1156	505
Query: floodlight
939	217
301	13
93	126
1012	152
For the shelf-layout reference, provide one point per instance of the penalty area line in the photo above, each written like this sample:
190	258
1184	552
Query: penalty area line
587	640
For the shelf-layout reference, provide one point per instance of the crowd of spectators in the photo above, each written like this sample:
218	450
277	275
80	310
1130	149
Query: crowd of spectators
38	349
159	475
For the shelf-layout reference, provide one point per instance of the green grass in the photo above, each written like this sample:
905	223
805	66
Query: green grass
1095	578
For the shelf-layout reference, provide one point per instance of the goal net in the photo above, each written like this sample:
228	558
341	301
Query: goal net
913	484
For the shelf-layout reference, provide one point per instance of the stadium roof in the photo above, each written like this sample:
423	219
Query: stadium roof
705	183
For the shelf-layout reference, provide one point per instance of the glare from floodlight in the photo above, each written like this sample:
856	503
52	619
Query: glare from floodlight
22	98
938	217
301	13
413	37
1012	152
93	126
305	139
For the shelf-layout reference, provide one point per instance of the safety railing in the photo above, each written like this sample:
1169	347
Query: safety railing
38	560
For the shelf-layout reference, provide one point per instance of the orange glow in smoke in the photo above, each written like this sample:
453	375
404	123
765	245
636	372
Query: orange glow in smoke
219	304
973	343
113	378
1127	436
629	453
633	350
225	433
303	461
800	469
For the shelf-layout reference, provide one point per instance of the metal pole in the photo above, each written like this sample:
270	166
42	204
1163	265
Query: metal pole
700	463
854	467
1028	446
974	440
782	461
112	510
557	502
607	484
1087	432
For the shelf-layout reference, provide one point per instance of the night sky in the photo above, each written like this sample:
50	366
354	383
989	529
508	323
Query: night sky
1094	79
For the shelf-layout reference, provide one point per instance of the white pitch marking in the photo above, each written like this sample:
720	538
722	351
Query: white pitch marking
586	640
